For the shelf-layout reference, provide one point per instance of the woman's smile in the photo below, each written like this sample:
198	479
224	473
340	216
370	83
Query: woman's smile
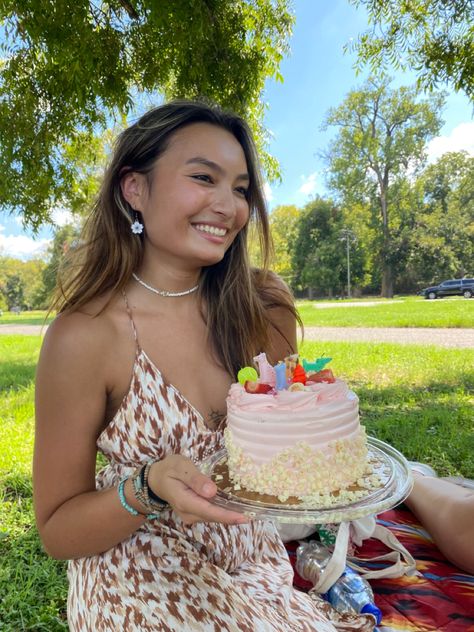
211	232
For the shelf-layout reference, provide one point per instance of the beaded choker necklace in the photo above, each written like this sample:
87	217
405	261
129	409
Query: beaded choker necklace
163	292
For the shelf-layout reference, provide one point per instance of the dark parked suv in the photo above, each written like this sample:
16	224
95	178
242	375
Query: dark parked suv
455	287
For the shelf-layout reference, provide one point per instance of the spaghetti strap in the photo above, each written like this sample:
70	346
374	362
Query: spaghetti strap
132	323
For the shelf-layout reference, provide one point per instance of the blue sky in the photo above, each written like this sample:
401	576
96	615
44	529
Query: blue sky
317	75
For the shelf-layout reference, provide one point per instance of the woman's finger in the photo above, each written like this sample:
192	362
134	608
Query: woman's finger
198	509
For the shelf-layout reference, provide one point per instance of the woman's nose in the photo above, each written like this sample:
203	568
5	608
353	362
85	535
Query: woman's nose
224	202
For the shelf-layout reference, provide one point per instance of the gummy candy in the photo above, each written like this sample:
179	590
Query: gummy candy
317	365
326	375
267	372
299	374
248	373
257	387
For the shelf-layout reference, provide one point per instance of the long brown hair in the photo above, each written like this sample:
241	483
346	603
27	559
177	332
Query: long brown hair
234	299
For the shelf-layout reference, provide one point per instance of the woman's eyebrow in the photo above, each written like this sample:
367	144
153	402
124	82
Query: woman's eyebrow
213	165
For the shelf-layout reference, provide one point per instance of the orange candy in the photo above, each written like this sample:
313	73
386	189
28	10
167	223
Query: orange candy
299	374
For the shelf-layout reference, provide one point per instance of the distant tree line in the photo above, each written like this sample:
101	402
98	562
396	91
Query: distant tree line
431	227
405	223
29	284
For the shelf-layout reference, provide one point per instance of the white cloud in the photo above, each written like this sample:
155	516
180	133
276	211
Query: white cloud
22	247
461	138
309	185
62	216
267	191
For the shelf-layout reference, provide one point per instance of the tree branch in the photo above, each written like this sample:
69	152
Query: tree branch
130	9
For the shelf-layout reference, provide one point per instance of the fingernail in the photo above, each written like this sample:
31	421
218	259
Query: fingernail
208	488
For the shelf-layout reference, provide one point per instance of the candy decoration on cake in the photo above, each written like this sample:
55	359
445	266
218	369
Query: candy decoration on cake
288	374
299	375
280	373
317	365
247	374
291	363
325	375
265	369
257	387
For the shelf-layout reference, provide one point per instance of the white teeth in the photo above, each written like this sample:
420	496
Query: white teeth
213	230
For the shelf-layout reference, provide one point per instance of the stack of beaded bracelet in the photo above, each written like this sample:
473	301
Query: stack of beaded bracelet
143	494
129	508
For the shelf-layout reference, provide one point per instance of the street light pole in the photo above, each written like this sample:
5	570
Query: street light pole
348	268
348	235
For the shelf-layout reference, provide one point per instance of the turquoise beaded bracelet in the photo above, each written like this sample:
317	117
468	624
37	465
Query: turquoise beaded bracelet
123	501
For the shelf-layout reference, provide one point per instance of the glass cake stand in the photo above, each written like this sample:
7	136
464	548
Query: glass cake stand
390	465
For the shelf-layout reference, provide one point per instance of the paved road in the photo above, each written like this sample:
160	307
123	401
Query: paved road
401	335
463	338
26	330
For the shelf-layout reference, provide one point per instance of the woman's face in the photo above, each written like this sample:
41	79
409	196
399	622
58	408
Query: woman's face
197	201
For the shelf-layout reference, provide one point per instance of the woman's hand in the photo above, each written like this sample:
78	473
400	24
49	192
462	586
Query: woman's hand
178	481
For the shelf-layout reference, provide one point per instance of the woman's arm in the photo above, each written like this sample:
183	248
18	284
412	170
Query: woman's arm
75	520
446	511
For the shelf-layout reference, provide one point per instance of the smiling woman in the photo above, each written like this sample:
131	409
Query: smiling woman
195	206
158	307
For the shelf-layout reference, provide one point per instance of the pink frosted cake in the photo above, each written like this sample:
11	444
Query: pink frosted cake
295	432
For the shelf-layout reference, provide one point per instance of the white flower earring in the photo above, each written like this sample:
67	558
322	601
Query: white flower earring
137	226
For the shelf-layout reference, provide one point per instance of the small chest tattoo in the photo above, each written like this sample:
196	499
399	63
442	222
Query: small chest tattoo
215	418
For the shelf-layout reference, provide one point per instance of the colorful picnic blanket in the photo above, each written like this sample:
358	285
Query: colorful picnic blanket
440	598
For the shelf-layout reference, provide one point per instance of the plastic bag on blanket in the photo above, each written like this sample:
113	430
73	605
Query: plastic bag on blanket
399	560
289	532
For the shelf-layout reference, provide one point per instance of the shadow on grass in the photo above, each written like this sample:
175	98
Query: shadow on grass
432	423
33	586
15	375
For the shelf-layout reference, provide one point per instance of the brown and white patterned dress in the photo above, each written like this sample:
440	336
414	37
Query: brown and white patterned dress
169	576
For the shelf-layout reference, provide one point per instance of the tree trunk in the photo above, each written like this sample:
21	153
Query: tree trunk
387	281
387	268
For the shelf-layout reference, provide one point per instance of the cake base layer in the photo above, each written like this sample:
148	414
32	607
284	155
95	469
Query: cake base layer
300	471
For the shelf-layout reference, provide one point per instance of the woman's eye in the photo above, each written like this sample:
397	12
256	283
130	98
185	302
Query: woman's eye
242	191
203	177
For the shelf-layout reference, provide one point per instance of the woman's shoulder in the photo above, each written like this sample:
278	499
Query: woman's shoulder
84	332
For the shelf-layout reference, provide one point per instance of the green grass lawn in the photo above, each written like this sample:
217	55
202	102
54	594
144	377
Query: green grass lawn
32	586
409	312
25	318
420	399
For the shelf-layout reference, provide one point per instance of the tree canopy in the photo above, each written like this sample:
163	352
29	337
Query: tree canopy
70	67
382	135
443	227
21	283
433	37
318	256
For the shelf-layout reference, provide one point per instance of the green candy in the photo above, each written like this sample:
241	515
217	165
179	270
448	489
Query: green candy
247	374
327	537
